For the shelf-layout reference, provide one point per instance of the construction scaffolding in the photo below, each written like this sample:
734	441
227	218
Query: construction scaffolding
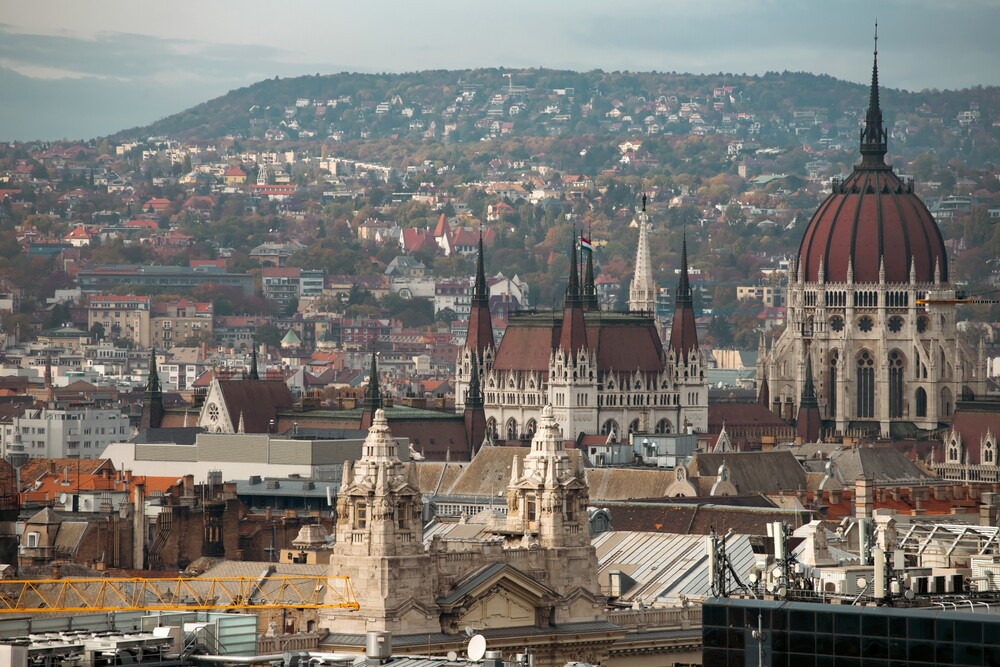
268	591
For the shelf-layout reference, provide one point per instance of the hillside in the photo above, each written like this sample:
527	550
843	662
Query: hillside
461	105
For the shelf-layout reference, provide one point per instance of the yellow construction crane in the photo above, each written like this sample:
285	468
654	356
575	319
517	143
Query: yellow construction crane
139	594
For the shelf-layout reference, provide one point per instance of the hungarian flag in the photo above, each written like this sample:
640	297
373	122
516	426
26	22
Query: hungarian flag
586	244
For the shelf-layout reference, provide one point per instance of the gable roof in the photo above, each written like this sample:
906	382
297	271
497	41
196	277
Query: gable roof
258	400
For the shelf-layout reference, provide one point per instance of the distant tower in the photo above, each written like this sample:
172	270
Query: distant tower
480	345
687	360
152	401
642	291
683	332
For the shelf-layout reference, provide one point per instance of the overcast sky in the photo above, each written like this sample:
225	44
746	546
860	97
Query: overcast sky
78	69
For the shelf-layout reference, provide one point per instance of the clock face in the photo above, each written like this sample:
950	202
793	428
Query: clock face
213	412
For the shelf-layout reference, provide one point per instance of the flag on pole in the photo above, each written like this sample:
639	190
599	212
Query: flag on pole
585	244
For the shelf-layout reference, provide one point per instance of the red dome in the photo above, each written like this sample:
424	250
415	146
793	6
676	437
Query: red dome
868	218
872	217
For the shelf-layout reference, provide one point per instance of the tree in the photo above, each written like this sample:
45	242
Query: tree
446	316
269	335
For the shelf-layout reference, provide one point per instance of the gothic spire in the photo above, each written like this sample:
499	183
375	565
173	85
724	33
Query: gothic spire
573	333
683	332
480	333
573	288
480	295
254	374
874	135
373	395
152	401
808	421
642	290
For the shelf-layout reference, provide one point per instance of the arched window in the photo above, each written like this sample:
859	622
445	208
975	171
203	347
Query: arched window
920	398
866	385
634	426
664	426
609	426
989	450
946	402
530	427
831	385
954	451
511	429
491	427
897	366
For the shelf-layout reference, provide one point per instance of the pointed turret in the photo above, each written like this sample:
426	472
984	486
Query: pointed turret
373	396
573	335
808	422
152	401
480	335
642	290
874	135
683	334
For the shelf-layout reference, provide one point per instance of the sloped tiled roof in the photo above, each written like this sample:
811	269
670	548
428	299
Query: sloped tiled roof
625	483
754	472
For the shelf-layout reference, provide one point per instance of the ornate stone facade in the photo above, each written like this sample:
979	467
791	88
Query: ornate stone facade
884	364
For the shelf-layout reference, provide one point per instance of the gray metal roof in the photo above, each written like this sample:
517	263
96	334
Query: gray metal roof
664	566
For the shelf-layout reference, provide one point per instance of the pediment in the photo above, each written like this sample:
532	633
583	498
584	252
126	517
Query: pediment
488	581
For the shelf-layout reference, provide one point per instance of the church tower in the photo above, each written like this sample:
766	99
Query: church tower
380	542
642	291
684	356
152	400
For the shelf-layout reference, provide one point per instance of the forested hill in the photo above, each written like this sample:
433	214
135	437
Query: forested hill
542	102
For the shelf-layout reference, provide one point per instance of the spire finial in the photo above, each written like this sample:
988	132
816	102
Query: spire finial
643	202
874	134
479	293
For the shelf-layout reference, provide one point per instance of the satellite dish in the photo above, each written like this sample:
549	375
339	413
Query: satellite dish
452	656
861	582
63	498
469	631
477	647
908	594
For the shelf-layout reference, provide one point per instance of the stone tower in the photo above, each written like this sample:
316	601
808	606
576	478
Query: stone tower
642	291
380	543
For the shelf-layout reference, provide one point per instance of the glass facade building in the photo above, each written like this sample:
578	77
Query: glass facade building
747	633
